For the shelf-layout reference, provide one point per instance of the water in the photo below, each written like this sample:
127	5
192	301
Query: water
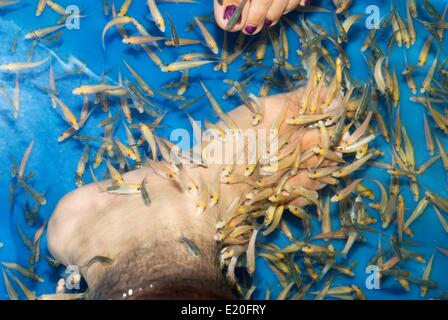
56	162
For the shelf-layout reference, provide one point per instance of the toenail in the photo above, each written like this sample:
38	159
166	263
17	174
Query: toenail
250	29
228	13
306	2
268	22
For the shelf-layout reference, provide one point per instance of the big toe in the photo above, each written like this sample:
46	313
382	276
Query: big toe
275	12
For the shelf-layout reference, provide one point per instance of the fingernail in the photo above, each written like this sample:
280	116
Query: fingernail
268	22
250	29
229	11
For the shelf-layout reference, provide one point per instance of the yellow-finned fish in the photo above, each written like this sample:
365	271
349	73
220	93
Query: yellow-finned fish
423	57
209	40
142	40
25	272
22	66
119	20
115	174
184	65
427	82
411	28
40	7
25	158
40	33
27	292
343	172
56	7
139	79
412	7
94	89
124	8
428	136
12	294
149	137
425	277
68	114
156	15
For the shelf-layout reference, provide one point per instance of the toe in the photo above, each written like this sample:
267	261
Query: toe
292	4
275	12
256	16
224	11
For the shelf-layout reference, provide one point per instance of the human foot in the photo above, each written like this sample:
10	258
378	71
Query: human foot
150	258
255	14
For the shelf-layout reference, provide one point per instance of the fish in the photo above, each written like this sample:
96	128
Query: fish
427	164
83	160
191	247
185	65
120	20
27	292
63	296
442	220
22	66
429	76
22	271
404	31
428	136
352	167
235	18
209	40
411	4
95	89
68	114
378	75
25	158
40	7
218	110
442	153
153	56
96	259
149	137
124	8
145	193
156	15
342	194
12	293
140	80
34	194
114	173
426	274
418	211
40	33
215	190
139	40
411	28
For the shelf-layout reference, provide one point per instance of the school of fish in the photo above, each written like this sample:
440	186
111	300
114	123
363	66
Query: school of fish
308	266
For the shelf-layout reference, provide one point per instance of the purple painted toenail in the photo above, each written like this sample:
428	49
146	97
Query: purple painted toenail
250	29
268	22
228	13
306	2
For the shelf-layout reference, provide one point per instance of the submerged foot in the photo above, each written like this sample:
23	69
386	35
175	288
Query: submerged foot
255	14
